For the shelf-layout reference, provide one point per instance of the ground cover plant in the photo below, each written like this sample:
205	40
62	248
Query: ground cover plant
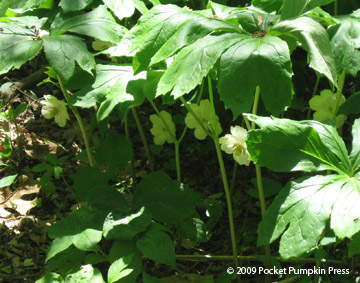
198	141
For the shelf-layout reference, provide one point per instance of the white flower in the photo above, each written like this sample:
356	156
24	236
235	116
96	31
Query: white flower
54	108
203	111
160	131
235	144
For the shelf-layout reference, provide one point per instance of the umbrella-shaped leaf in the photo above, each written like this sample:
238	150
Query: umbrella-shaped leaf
110	88
62	51
296	146
252	62
17	45
99	23
294	8
159	25
346	210
194	62
345	45
314	39
188	33
355	152
300	213
70	5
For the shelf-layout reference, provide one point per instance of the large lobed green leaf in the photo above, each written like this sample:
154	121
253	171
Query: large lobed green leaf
99	23
111	88
269	5
355	151
71	5
295	8
285	145
300	213
167	28
345	45
62	51
153	30
314	39
304	207
252	62
193	63
17	45
188	33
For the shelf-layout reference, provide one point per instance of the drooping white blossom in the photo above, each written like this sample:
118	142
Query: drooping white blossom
235	144
54	108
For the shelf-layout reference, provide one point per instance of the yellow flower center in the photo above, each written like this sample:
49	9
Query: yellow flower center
238	149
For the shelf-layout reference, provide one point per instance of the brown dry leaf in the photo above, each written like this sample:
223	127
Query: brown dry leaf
39	149
16	201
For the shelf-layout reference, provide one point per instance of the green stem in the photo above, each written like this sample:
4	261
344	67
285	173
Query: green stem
255	105
177	160
228	201
254	258
200	93
211	96
260	187
143	138
336	7
127	134
223	174
80	122
339	91
314	92
222	168
248	126
176	142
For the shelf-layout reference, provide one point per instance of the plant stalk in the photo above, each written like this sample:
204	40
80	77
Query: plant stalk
80	122
215	138
255	105
222	170
260	186
176	142
339	91
336	7
177	160
228	201
143	138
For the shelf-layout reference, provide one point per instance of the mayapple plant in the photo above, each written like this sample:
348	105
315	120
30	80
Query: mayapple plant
305	206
